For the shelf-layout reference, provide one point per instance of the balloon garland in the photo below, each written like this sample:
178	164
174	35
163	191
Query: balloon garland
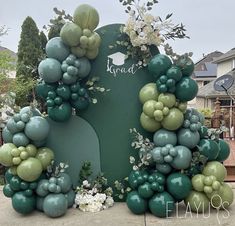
170	175
63	75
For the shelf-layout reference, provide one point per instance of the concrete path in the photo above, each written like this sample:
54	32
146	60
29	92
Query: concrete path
119	215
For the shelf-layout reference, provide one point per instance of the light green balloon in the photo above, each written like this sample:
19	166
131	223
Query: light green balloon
197	182
167	99
30	169
70	33
173	120
149	108
45	156
197	201
5	154
222	198
148	92
216	169
149	124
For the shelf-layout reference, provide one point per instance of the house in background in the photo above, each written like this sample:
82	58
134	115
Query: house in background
205	72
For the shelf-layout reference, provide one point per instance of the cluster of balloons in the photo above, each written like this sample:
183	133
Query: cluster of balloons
55	195
172	174
27	126
65	70
27	185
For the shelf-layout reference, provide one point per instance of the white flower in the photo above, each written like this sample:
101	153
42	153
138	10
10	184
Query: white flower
85	183
109	201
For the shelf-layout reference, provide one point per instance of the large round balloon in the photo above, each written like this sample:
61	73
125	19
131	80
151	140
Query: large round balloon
135	203
43	88
60	113
209	148
5	154
55	48
183	158
55	205
186	89
20	139
37	128
188	138
179	185
148	92
29	169
45	155
216	169
50	70
70	196
224	151
163	137
158	65
84	67
197	201
173	120
22	203
162	204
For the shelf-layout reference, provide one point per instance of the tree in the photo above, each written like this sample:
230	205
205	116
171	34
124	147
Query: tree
43	40
29	50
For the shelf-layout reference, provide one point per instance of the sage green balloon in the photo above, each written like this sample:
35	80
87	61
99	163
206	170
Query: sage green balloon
149	124
148	92
37	128
163	137
216	169
45	156
173	120
188	138
50	70
55	205
5	154
197	182
71	33
163	168
30	110
20	139
70	196
186	89
224	151
135	203
222	198
183	158
55	48
197	201
39	203
65	182
29	169
7	135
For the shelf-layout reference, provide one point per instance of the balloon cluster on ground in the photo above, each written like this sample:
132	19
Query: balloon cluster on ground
65	70
173	173
27	182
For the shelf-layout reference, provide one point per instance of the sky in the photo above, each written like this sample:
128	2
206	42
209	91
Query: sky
209	23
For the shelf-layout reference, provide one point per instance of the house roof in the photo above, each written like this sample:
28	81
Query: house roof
229	55
210	71
208	90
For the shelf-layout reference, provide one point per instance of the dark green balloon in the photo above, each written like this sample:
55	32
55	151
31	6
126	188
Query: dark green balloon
43	88
80	104
224	151
7	191
209	148
174	72
60	113
15	182
8	176
158	65
63	91
162	204
23	204
186	65
203	132
178	185
135	203
145	190
186	89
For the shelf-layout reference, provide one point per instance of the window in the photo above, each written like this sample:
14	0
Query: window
205	82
